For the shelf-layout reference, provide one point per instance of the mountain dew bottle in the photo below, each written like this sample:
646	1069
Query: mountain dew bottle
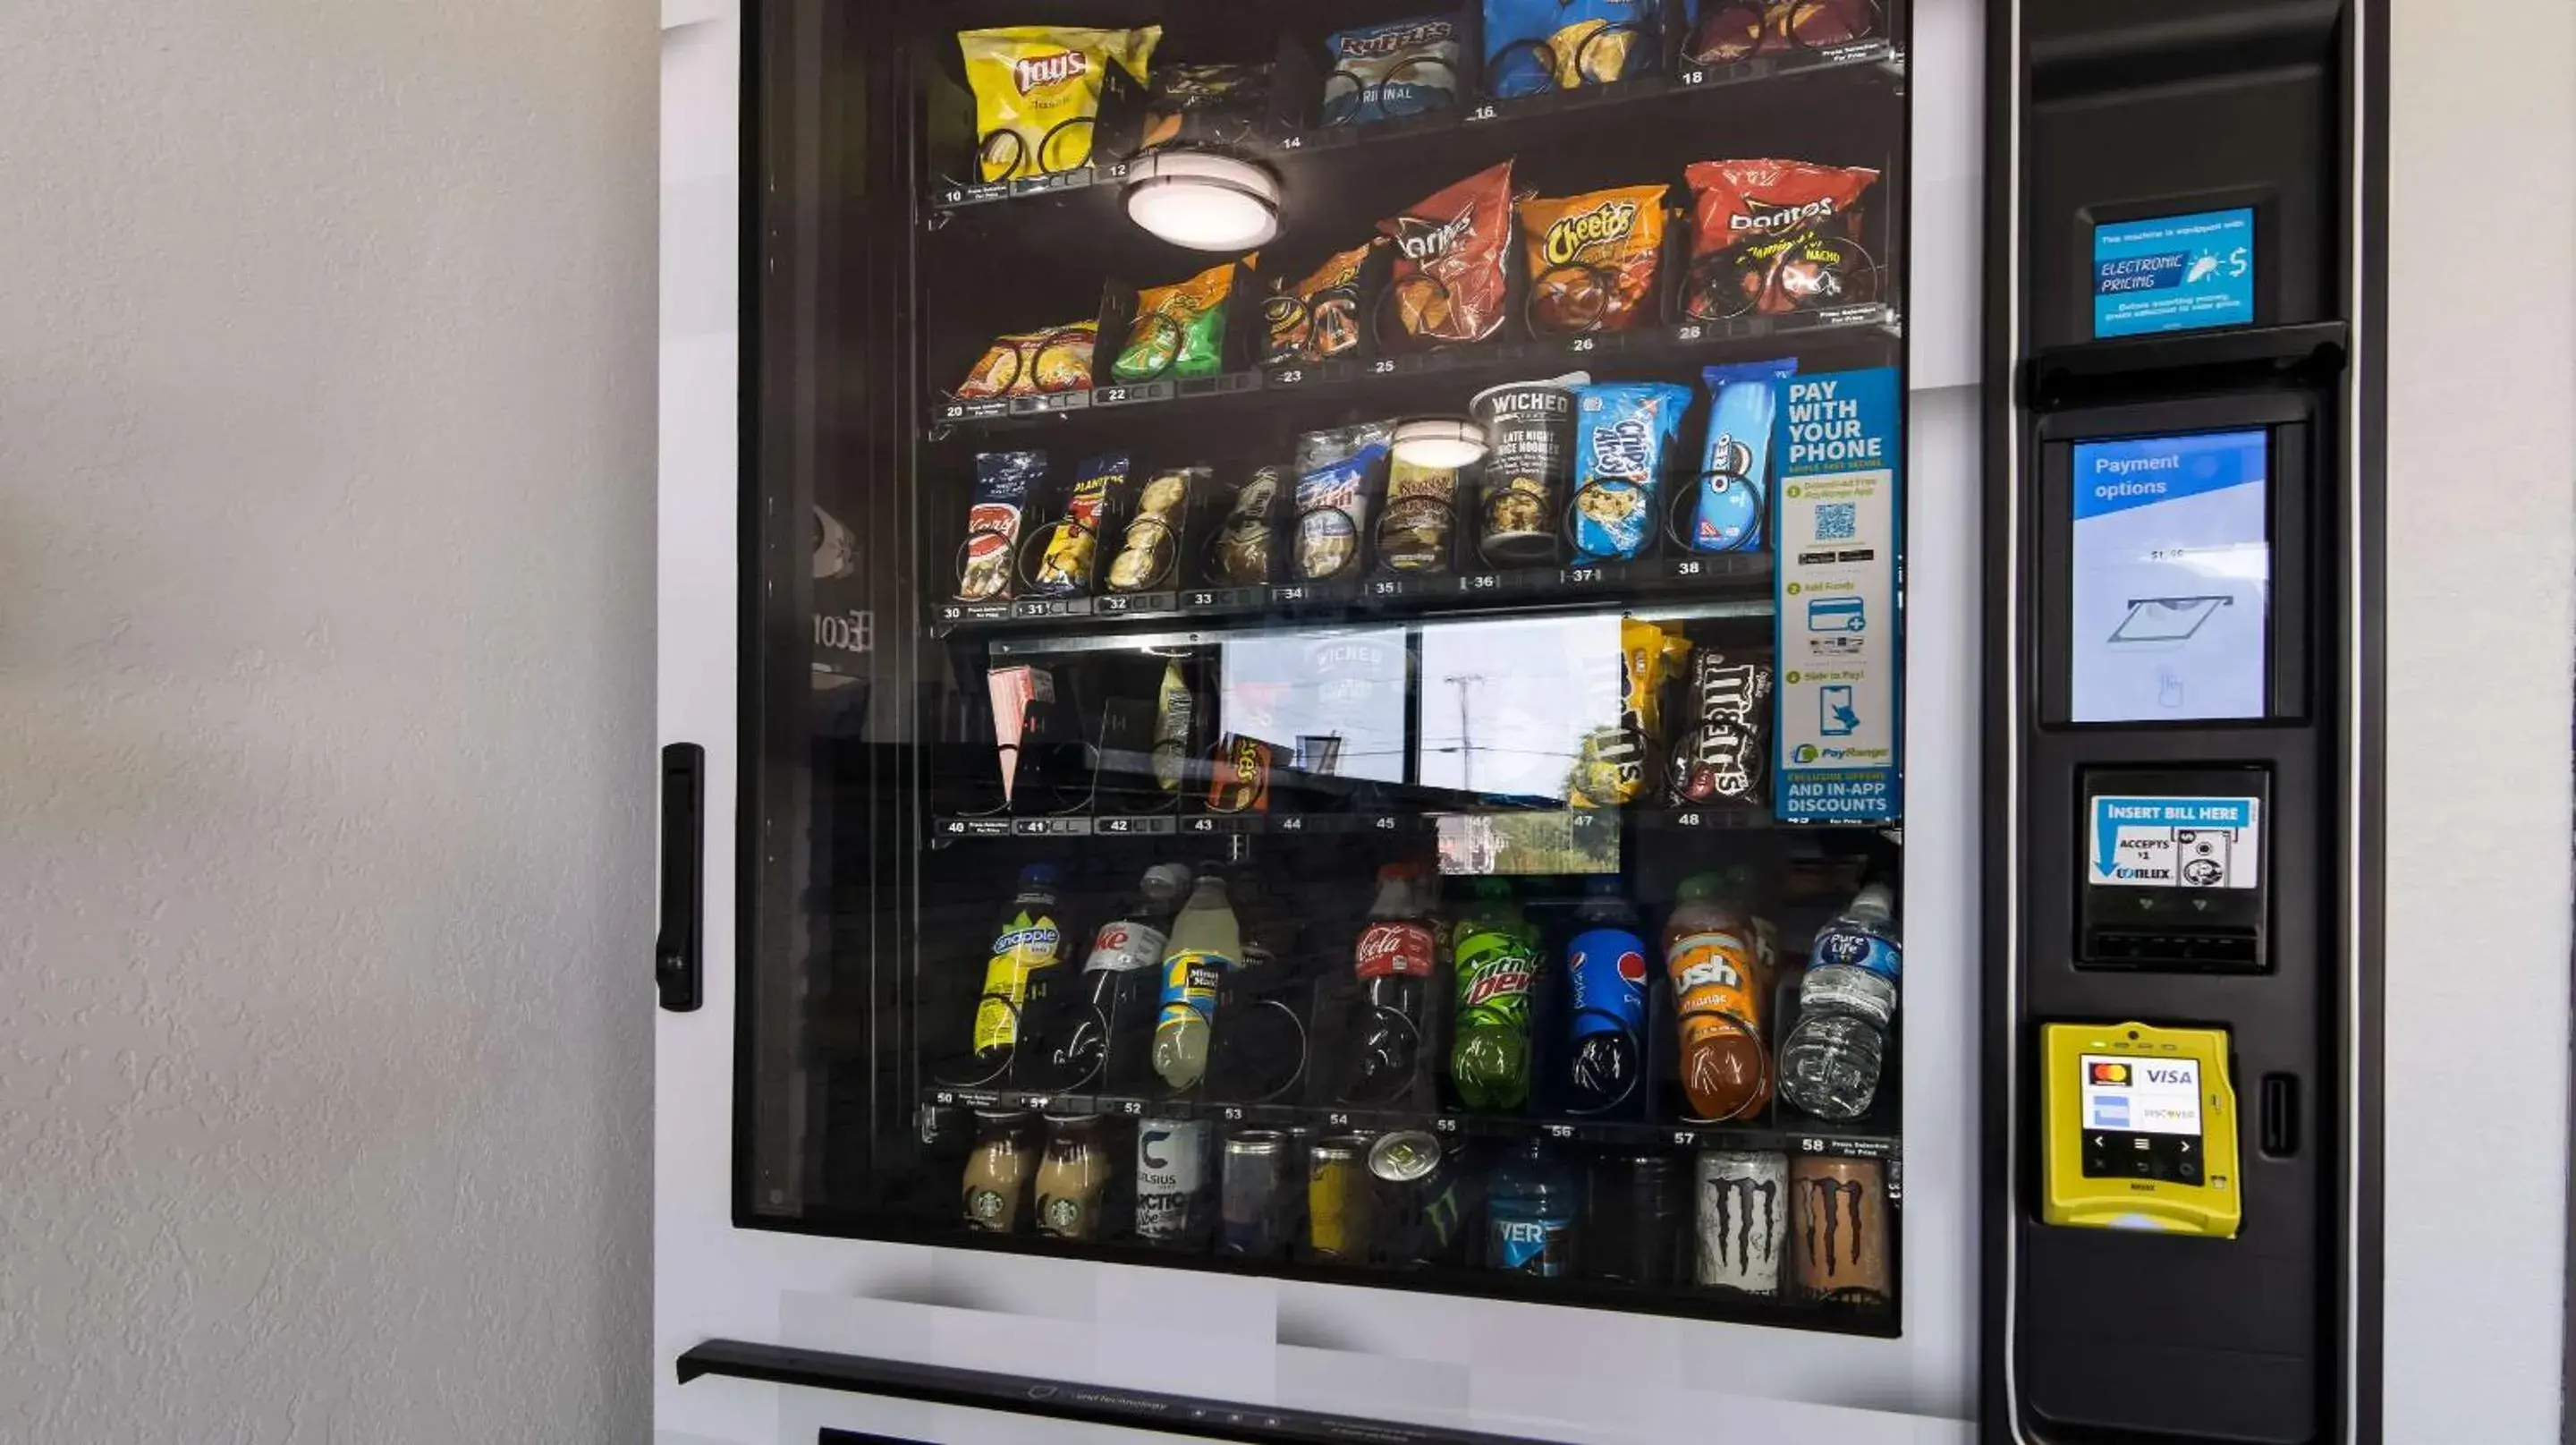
1496	954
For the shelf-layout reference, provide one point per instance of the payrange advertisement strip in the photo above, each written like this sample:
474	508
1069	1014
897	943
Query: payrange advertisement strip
1840	505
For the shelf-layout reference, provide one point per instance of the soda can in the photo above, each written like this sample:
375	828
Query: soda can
1633	1218
1841	1218
1171	1178
1339	1199
1741	1219
1254	1202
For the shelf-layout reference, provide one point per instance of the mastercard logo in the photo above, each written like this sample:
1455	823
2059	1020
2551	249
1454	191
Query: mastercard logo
2110	1073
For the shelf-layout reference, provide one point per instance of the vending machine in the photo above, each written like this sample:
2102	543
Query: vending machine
1325	671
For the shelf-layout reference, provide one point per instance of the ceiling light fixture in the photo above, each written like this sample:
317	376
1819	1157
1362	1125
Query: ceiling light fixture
1203	200
1444	443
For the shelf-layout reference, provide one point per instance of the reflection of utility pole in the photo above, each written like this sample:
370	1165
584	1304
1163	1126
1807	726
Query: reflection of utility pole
1466	740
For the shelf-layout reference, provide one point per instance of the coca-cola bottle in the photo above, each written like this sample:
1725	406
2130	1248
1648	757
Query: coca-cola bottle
1120	970
1393	961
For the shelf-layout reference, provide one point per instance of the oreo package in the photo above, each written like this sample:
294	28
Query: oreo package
1734	482
1623	431
1722	755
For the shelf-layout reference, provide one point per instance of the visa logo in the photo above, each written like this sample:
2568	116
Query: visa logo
2166	1076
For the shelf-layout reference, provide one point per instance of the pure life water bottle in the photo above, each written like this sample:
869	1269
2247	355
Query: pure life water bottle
1829	1062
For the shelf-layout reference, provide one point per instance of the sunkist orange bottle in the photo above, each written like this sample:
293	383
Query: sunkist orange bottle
1719	991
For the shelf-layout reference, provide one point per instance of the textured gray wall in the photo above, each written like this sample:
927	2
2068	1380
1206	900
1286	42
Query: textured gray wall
2481	619
326	720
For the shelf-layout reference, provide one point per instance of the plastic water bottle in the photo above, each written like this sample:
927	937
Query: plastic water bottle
1829	1063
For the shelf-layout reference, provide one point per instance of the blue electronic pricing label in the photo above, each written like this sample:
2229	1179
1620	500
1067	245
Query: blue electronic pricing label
1841	458
2173	273
2171	569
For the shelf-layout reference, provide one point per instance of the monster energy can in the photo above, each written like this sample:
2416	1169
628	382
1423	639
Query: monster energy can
1741	1216
1421	1180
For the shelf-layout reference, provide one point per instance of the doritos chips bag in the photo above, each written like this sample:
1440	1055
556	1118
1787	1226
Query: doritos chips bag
1770	236
1037	92
1451	249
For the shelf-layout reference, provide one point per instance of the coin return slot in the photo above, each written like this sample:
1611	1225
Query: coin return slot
2280	1137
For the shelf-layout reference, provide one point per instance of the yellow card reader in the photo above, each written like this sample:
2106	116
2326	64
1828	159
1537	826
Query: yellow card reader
2141	1129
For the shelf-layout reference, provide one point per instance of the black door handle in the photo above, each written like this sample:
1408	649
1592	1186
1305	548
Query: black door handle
676	948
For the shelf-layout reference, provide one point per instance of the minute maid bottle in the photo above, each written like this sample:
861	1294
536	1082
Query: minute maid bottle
1027	945
1206	942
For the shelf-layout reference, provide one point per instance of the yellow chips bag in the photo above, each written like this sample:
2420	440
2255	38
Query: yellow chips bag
1613	764
1037	92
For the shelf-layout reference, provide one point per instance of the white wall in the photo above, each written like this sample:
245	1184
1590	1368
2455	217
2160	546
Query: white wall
326	769
2481	552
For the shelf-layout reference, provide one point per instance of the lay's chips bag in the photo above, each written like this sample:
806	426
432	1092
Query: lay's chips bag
1037	92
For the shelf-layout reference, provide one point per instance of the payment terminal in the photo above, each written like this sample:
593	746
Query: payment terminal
2141	1129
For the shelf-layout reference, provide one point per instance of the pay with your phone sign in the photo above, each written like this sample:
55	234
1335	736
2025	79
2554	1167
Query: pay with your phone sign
1839	445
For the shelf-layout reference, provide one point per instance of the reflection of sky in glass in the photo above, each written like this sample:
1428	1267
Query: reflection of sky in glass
1345	684
1530	690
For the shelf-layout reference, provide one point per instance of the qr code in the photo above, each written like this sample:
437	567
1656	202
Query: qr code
1837	521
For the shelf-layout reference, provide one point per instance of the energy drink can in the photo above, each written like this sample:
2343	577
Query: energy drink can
1171	1178
1633	1217
1255	1206
1340	1203
1841	1222
1420	1179
1741	1219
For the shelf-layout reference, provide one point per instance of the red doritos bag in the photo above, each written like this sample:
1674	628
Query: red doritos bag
1769	236
1450	252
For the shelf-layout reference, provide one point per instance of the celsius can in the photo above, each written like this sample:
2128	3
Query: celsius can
1741	1219
1841	1222
1338	1198
1171	1177
1632	1217
1529	464
1254	1198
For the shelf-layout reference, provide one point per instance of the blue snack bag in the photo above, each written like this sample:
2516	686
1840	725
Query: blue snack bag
1622	431
1735	464
1404	67
1535	46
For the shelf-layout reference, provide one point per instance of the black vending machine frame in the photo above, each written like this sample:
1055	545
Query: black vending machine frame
2311	360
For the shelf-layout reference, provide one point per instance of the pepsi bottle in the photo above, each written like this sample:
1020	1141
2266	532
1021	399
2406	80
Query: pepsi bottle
1605	968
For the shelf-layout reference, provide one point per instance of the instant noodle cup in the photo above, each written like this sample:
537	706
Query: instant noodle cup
1529	463
1451	251
1319	318
1029	362
1534	46
1592	258
1774	236
1614	765
1179	329
1037	92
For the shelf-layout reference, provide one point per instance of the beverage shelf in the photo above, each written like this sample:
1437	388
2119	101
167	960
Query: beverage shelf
1644	101
1472	367
1729	584
1871	1137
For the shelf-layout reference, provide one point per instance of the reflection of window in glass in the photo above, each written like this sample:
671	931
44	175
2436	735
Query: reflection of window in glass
1328	702
1504	706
